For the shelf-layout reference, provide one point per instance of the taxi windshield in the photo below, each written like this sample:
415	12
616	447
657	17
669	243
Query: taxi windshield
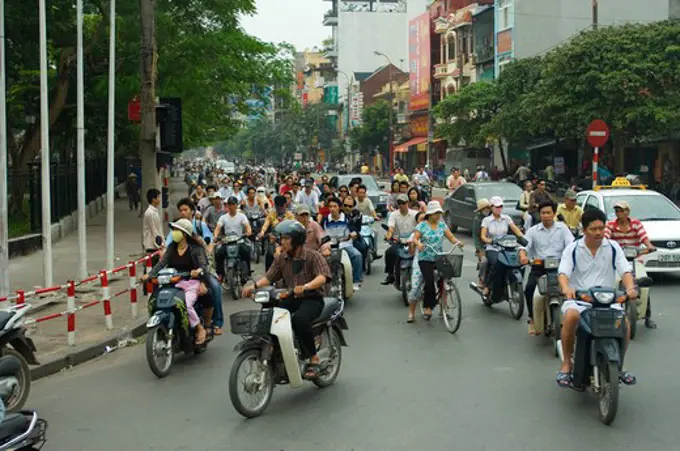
652	207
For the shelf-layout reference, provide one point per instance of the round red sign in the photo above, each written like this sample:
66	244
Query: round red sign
597	133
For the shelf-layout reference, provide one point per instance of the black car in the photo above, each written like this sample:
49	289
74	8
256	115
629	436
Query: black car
459	207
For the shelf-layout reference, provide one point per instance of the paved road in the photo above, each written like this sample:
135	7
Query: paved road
402	387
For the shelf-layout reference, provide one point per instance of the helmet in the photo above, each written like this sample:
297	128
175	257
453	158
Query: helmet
293	230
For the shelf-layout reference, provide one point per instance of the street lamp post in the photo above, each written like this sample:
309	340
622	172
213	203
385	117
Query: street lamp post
389	133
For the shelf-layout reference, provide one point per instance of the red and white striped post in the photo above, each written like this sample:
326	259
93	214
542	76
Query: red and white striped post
21	297
71	307
149	285
596	160
132	272
106	299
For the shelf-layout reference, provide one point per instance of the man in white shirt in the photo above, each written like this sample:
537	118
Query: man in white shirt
309	197
152	228
588	262
400	222
364	204
547	239
455	180
233	222
225	190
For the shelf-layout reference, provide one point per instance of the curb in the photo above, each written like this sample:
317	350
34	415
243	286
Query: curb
89	352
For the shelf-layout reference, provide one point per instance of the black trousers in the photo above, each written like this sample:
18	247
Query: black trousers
491	261
304	311
221	255
534	275
391	256
429	292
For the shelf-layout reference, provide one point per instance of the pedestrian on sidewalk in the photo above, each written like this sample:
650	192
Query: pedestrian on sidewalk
152	228
132	191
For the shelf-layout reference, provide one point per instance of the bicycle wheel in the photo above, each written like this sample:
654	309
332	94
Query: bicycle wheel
451	307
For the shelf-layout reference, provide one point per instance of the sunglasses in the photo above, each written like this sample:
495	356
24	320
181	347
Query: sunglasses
497	206
348	206
401	202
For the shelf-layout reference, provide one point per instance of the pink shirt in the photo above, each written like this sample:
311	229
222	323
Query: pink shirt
314	234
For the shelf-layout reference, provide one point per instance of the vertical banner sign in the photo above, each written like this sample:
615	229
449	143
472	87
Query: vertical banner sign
419	62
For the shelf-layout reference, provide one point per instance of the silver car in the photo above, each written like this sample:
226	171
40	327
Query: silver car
375	192
459	207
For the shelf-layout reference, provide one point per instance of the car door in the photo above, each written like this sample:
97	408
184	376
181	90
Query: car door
463	207
592	202
581	199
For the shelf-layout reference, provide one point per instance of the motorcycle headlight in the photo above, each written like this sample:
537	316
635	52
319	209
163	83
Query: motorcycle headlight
551	263
164	280
262	297
604	297
508	242
383	198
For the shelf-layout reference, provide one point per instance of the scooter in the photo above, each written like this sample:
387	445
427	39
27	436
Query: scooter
600	347
368	235
507	285
403	266
15	343
168	331
24	430
235	270
341	285
636	309
256	222
269	354
548	301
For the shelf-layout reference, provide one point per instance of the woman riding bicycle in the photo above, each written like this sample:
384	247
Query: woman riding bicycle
429	235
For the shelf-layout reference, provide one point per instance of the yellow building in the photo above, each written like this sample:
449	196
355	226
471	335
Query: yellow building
310	81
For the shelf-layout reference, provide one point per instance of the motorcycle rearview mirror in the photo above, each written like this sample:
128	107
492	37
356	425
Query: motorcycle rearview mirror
325	239
207	240
384	226
523	241
560	217
644	282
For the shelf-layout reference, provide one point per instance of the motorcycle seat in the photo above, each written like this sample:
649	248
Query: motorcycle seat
330	306
12	425
4	318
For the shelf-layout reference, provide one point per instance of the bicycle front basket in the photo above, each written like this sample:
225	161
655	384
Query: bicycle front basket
251	322
450	266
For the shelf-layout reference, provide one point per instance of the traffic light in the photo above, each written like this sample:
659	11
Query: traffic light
169	117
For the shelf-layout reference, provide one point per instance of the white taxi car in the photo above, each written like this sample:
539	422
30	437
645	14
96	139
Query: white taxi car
659	216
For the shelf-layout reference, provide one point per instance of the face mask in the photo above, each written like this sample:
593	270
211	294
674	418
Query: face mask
177	236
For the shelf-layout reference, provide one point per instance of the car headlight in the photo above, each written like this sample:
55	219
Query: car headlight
604	297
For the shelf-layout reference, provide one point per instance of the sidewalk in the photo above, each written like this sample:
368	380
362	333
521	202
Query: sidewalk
26	273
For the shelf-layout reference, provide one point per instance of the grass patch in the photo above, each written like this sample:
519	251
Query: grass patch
19	225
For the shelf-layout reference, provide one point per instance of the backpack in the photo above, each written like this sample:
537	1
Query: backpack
573	255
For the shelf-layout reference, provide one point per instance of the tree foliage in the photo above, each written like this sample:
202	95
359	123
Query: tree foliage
373	132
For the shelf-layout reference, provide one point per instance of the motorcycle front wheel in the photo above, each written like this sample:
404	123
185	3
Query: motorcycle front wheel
556	319
516	300
405	285
632	313
16	400
330	354
369	261
158	355
608	395
258	380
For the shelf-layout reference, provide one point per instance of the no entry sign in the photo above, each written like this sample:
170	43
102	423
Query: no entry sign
597	133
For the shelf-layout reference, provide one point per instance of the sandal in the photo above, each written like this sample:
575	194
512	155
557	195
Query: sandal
217	330
411	318
312	371
564	380
532	331
627	378
427	316
201	335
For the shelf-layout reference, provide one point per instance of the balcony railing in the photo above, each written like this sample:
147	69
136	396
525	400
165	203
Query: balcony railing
484	55
331	17
441	70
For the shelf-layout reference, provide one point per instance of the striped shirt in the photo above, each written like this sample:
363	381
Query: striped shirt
634	237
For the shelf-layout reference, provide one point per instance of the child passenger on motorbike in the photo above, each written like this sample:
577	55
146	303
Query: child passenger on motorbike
495	226
305	272
185	254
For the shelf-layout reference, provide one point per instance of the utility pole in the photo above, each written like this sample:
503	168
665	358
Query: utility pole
80	147
595	14
4	219
147	138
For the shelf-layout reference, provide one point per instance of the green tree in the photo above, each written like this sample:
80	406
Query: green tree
373	132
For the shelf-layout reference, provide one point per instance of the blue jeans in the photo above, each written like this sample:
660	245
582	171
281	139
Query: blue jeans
216	294
357	263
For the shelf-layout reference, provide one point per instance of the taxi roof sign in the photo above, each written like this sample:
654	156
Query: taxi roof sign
620	182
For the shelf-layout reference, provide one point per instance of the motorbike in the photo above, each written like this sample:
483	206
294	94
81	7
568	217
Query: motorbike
403	266
548	304
636	309
576	231
600	347
168	330
268	355
235	270
507	285
256	248
425	192
23	430
341	285
15	343
368	235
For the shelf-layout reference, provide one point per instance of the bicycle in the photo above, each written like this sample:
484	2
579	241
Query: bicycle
448	267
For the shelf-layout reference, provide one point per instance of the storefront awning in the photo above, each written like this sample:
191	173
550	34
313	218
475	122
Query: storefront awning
404	147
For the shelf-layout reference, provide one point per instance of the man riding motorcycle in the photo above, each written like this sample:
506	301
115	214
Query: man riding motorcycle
339	221
627	231
400	222
278	214
315	232
306	272
546	239
588	262
570	212
252	204
232	222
